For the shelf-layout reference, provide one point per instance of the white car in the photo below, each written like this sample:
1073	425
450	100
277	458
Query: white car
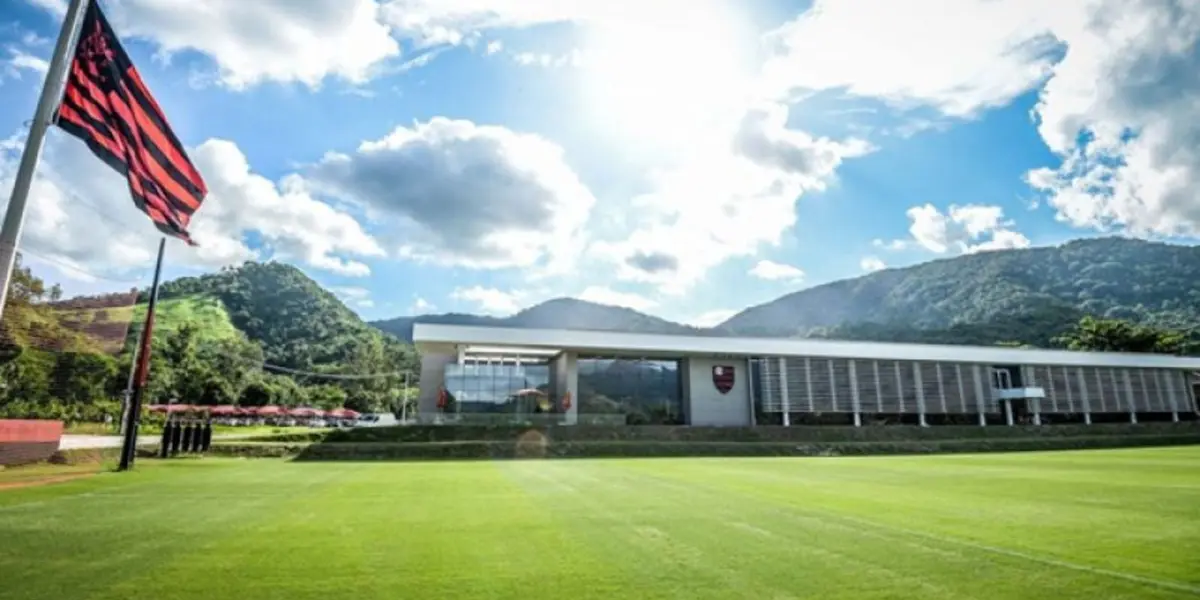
377	420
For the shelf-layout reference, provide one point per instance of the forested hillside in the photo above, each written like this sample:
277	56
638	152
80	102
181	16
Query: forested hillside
560	313
1026	295
212	337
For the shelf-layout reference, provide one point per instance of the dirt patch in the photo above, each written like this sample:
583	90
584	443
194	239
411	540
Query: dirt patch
47	480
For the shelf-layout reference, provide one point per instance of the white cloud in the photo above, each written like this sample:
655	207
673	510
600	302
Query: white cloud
421	306
1118	103
893	246
80	214
494	46
960	56
453	192
604	295
736	191
490	300
773	271
573	58
265	40
712	318
431	22
963	229
871	264
1123	110
19	61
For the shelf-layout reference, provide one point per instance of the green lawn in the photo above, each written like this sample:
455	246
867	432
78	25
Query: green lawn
1095	525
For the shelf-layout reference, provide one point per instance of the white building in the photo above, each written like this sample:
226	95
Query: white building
488	374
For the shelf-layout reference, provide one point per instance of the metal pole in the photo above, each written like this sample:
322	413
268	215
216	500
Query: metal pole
404	401
129	447
127	397
52	89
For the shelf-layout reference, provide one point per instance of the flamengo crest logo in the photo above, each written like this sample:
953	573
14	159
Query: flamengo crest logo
723	378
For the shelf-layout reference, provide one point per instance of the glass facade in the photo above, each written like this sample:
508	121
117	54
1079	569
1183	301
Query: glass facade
499	388
633	392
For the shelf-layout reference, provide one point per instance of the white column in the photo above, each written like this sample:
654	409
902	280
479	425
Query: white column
1100	391
854	394
962	395
1050	389
878	387
1129	396
1083	396
1189	395
808	384
783	391
1067	385
941	387
832	385
1168	388
1008	416
1145	389
977	375
1028	377
919	385
750	382
899	384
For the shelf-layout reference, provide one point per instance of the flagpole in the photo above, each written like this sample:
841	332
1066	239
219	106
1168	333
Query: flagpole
133	414
52	90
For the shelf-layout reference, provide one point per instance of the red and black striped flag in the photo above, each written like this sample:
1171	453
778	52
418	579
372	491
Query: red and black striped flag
107	105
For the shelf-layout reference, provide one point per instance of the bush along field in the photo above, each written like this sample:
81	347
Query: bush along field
433	442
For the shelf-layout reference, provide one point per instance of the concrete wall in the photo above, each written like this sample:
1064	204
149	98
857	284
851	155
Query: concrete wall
433	377
564	378
704	404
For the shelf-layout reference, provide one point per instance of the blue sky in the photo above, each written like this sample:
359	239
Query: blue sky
684	158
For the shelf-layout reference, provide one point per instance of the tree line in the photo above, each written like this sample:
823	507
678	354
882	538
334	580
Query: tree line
57	359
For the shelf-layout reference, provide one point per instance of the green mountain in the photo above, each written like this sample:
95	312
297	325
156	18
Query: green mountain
1020	295
299	324
1028	296
560	313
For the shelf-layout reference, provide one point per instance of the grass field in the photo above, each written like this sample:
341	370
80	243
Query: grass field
1099	524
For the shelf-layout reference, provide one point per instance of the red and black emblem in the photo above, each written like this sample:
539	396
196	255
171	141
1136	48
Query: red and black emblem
723	378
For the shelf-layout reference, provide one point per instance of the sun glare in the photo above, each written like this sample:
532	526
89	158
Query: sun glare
667	82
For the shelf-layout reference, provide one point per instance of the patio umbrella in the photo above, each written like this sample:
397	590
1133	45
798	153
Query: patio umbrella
343	413
223	410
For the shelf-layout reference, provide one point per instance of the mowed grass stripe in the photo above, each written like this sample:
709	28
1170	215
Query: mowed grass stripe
1070	525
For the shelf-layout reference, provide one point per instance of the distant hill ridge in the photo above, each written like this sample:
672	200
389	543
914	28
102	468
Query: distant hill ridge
1027	295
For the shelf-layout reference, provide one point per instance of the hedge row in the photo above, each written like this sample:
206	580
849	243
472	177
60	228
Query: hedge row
649	433
541	448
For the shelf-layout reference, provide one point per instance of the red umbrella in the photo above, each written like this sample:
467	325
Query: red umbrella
180	408
343	413
157	408
305	412
270	411
223	410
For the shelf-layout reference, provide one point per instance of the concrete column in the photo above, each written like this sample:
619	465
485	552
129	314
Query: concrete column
783	390
1028	375
1084	398
854	394
1129	396
878	388
433	377
919	385
1008	416
808	389
1166	385
980	399
564	379
750	387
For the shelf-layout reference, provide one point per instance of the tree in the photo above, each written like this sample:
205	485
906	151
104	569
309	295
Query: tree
1115	335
